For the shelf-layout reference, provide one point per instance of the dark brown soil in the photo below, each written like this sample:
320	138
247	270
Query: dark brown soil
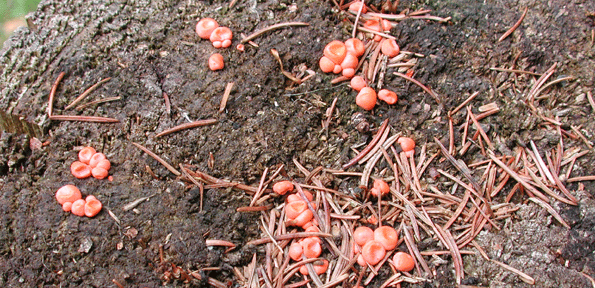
150	48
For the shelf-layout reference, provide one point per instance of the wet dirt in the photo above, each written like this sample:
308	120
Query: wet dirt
150	48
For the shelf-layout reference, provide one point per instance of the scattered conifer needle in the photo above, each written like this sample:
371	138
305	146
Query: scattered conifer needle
83	118
53	94
86	92
516	25
271	28
187	126
169	167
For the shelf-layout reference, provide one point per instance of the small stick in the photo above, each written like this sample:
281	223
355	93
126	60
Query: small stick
253	208
169	167
288	237
526	278
515	71
84	118
187	126
271	28
581	178
450	113
451	137
86	92
591	101
198	184
359	13
516	176
580	135
478	126
369	147
541	164
53	94
550	84
428	90
214	242
167	103
388	36
98	101
516	25
225	96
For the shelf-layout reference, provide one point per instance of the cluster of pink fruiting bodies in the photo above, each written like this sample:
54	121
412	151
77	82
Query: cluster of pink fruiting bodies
208	28
343	58
299	214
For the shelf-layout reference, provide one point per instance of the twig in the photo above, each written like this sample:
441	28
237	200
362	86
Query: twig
359	13
369	147
167	103
271	28
567	78
478	126
225	96
450	113
428	90
84	118
388	36
581	178
516	25
187	126
53	94
516	176
86	92
169	167
515	71
591	101
580	135
288	237
98	101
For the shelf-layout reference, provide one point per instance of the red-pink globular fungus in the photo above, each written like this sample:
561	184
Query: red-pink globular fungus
205	27
216	62
221	37
366	98
68	193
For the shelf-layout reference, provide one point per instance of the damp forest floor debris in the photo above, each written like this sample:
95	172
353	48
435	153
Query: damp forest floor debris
487	154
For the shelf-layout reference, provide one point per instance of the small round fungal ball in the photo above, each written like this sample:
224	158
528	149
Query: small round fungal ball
78	207
205	27
282	187
221	37
362	235
390	48
403	261
335	51
366	98
388	96
373	252
381	187
326	64
357	83
86	153
92	207
67	206
216	62
99	173
80	170
387	236
68	193
296	251
407	145
96	158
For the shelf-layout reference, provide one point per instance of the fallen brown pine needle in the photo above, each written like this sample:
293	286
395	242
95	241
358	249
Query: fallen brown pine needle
53	94
169	167
369	147
271	28
84	118
98	101
515	26
253	208
591	101
422	86
187	126
581	178
225	96
514	71
86	92
288	237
